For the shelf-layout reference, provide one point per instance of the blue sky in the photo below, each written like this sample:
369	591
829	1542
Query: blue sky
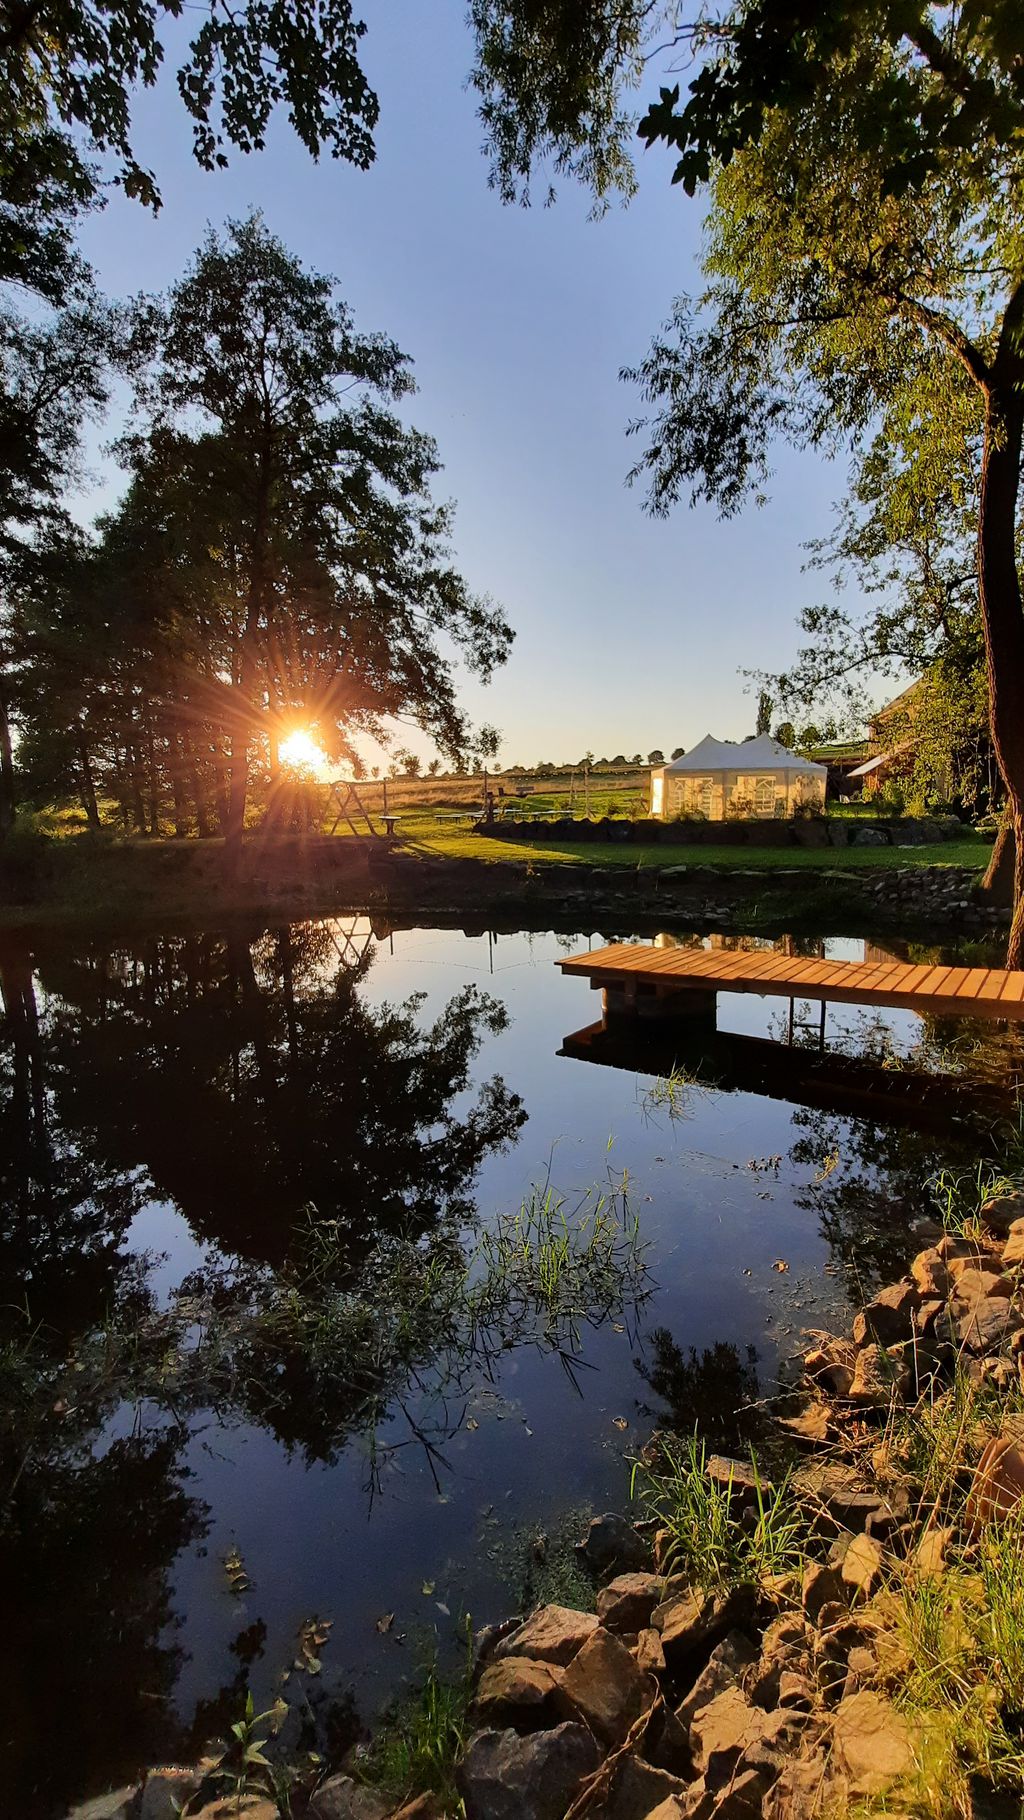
631	632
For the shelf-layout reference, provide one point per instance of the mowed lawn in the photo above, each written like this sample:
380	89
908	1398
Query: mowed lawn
424	833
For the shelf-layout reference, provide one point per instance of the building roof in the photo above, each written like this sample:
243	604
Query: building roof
760	754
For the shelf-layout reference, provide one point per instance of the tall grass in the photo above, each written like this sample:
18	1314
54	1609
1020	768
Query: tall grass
709	1540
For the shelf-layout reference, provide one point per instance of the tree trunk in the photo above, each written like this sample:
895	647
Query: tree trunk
997	883
89	803
1002	610
8	800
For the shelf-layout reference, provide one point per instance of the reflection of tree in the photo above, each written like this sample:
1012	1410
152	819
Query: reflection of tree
87	1668
709	1391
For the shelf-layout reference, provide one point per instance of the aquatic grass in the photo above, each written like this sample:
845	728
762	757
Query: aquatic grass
675	1093
711	1541
417	1749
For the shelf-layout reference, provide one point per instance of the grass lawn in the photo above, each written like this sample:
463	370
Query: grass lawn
424	834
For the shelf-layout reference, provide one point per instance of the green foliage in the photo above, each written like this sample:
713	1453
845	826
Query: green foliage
708	1540
417	1749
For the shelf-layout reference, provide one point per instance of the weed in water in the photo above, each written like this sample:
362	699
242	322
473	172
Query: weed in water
417	1749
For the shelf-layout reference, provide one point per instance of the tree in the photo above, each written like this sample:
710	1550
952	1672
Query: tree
411	763
434	767
278	546
657	757
764	713
68	72
785	733
678	752
863	162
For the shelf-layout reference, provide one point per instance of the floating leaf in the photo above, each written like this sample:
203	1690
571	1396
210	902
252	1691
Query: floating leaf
619	1422
617	1327
472	1422
385	1621
427	1588
780	1264
441	1606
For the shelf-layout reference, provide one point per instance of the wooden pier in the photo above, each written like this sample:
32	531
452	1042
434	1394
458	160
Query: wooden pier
644	981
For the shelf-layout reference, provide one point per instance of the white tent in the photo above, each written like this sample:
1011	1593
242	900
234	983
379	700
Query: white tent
755	777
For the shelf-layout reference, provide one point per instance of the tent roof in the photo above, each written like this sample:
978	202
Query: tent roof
760	754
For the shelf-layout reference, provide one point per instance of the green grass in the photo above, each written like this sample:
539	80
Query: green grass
419	1746
707	1540
424	834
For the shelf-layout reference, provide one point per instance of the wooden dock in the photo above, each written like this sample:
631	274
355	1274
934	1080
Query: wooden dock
629	972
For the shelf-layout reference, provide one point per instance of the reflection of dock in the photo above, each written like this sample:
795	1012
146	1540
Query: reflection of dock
640	981
849	1085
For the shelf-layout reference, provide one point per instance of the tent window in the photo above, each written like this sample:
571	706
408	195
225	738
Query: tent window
764	796
706	796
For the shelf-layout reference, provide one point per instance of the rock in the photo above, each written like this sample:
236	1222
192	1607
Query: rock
930	1553
650	1656
812	1423
862	1567
739	1479
505	1777
836	1493
116	1804
879	1377
249	1807
998	1485
421	1807
626	1604
165	1792
803	1791
552	1634
604	1686
983	1326
795	1690
873	1742
1001	1212
890	1317
1013	1250
974	1285
831	1363
744	1797
718	1676
666	1744
515	1691
639	1790
931	1275
694	1620
722	1731
342	1798
822	1586
612	1542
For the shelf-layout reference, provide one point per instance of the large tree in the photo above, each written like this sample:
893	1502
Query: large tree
863	163
278	558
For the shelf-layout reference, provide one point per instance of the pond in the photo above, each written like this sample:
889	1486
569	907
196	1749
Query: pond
351	1423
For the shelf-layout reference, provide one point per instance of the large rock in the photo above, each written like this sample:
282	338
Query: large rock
722	1731
721	1672
1001	1212
821	1586
650	1655
931	1275
1013	1250
638	1791
984	1325
505	1777
694	1620
975	1284
604	1686
879	1376
873	1742
612	1542
836	1492
862	1567
553	1634
516	1691
890	1317
165	1793
803	1791
116	1804
341	1798
626	1604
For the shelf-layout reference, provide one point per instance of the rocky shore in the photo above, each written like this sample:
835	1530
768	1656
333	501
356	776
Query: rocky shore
693	1693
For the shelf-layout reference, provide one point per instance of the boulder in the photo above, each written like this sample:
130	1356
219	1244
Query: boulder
1013	1250
626	1603
890	1317
719	1674
932	1276
650	1656
974	1284
341	1798
821	1586
984	1325
722	1731
612	1542
516	1691
603	1686
862	1567
879	1376
116	1804
873	1742
695	1620
1001	1212
165	1792
505	1777
739	1478
638	1790
930	1553
552	1634
803	1791
665	1744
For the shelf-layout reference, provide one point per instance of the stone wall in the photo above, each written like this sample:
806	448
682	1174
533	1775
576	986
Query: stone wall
801	831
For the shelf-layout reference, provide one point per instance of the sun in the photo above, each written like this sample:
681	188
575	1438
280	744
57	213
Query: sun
300	752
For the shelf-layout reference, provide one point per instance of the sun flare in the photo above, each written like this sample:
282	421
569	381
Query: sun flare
300	752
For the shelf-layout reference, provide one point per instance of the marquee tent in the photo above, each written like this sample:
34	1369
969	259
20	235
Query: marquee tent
755	777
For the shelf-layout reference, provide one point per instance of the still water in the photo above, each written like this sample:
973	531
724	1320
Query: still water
184	1109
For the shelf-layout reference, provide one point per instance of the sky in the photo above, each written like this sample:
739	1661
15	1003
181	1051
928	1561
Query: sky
631	632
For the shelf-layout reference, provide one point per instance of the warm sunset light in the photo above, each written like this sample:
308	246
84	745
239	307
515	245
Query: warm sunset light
302	753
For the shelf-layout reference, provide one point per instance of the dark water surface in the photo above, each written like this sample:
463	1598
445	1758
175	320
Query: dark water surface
171	1108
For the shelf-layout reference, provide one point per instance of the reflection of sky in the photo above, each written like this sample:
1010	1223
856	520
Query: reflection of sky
310	1537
